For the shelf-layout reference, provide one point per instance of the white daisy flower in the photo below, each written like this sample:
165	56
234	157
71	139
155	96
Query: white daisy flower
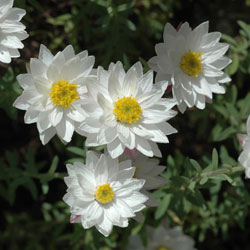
126	110
148	169
162	239
54	90
101	195
12	32
244	157
192	61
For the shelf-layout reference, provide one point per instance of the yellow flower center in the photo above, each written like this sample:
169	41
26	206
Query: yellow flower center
162	248
63	93
104	193
191	63
127	110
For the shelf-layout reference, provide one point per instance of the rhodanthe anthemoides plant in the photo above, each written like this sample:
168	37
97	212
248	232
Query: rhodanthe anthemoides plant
124	113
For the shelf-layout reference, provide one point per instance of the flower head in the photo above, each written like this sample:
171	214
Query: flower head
192	61
163	239
126	110
244	157
12	31
100	194
54	90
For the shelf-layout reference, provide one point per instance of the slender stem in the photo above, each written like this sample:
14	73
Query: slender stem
218	172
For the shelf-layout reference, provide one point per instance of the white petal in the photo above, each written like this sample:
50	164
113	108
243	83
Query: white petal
115	148
65	130
11	41
31	115
4	55
143	146
105	226
47	135
146	81
123	208
55	116
37	67
101	171
68	52
210	39
45	55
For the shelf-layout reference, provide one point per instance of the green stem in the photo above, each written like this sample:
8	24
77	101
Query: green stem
223	171
218	172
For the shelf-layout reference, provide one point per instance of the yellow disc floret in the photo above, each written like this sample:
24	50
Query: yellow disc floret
63	93
162	248
127	110
191	63
104	193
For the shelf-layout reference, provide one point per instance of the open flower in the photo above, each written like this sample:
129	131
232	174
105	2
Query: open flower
54	90
12	32
101	195
192	61
244	157
162	239
126	110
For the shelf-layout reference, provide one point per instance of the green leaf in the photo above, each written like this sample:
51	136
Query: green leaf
225	134
229	39
76	150
130	25
53	165
233	67
125	6
215	159
203	180
196	198
73	160
196	165
160	211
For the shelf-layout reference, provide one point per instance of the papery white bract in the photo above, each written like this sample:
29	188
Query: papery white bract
192	61
54	90
148	169
12	31
101	195
244	157
162	239
126	110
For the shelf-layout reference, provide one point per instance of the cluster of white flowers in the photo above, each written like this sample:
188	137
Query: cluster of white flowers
125	111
